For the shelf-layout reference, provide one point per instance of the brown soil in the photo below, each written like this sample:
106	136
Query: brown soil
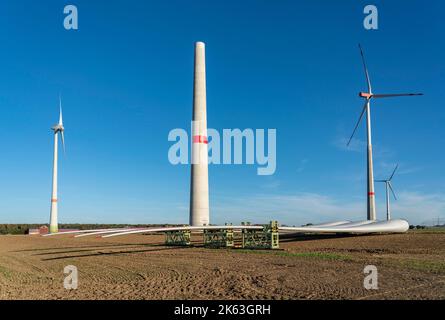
410	266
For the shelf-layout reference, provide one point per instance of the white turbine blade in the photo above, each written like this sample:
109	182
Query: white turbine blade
63	140
358	122
380	180
396	95
60	108
392	190
366	69
395	169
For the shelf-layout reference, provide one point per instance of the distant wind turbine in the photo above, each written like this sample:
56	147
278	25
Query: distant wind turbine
371	214
389	187
54	226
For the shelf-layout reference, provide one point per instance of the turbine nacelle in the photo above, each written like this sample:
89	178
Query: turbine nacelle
365	95
58	128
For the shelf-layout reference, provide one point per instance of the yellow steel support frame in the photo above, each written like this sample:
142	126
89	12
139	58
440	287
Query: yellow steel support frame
178	238
268	238
218	238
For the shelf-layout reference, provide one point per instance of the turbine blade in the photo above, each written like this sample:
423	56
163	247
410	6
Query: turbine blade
60	108
396	95
380	180
392	190
358	123
395	169
366	69
63	141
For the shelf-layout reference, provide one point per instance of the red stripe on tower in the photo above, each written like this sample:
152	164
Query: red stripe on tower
200	139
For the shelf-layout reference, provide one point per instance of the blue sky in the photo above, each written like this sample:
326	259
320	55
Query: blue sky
126	81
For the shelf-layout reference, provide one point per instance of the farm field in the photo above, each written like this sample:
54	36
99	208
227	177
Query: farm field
410	266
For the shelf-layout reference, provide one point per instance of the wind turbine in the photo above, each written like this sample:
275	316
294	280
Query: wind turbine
371	214
58	128
389	187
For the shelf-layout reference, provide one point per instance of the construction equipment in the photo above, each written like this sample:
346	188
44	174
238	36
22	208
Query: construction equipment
178	238
222	238
267	238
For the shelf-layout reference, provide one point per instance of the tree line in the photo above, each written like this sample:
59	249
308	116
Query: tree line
24	228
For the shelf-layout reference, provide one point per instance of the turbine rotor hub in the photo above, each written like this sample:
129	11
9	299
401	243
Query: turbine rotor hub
58	128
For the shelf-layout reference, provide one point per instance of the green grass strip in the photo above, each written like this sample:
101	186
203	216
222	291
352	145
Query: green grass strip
317	255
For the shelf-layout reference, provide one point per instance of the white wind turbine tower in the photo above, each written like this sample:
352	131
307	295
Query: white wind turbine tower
389	187
371	214
54	226
199	184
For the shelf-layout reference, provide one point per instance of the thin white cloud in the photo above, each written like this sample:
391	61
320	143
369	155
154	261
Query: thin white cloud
360	146
356	145
293	209
388	167
302	208
273	184
419	208
302	165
